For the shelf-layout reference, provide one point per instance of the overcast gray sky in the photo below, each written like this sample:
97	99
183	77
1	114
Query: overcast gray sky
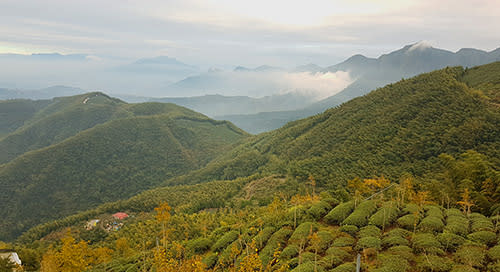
231	32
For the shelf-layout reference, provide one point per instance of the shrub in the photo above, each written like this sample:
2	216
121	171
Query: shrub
433	263
308	256
450	241
390	241
457	224
303	231
361	214
408	221
344	242
325	239
307	267
199	245
289	252
454	212
351	229
346	267
471	255
319	209
393	263
210	260
330	261
298	213
369	242
225	240
480	222
427	243
483	237
431	224
338	252
339	213
334	256
370	230
403	251
435	211
398	232
385	216
494	253
225	254
328	198
276	241
262	237
411	208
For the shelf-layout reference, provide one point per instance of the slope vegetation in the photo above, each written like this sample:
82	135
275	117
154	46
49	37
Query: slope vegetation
400	128
61	118
371	73
110	161
14	113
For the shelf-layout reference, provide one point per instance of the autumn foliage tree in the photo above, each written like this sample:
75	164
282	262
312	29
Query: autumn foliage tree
466	203
163	217
74	256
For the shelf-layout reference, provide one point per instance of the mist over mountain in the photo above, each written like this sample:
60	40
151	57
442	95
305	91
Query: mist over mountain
270	136
369	74
217	105
262	81
45	93
276	95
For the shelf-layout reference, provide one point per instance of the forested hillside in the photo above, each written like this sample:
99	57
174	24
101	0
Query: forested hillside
61	118
393	226
371	73
406	176
110	161
15	112
401	128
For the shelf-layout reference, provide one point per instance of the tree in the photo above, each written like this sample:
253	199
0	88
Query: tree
123	247
421	198
163	217
406	191
316	245
74	256
251	262
466	202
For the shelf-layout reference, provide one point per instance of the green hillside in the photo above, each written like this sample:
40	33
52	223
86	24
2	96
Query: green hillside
110	161
408	176
14	113
212	227
62	118
401	128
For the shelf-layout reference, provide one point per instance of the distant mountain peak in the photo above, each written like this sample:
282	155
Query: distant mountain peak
241	69
311	67
266	68
214	70
160	60
419	46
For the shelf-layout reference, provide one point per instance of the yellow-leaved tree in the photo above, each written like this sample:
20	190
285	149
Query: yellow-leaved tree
163	217
74	256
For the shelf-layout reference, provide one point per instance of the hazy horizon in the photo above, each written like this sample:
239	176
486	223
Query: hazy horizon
114	46
231	33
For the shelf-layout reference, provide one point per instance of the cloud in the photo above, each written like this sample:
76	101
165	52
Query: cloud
251	33
259	83
420	46
317	85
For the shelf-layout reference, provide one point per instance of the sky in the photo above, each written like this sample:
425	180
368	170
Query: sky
228	33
